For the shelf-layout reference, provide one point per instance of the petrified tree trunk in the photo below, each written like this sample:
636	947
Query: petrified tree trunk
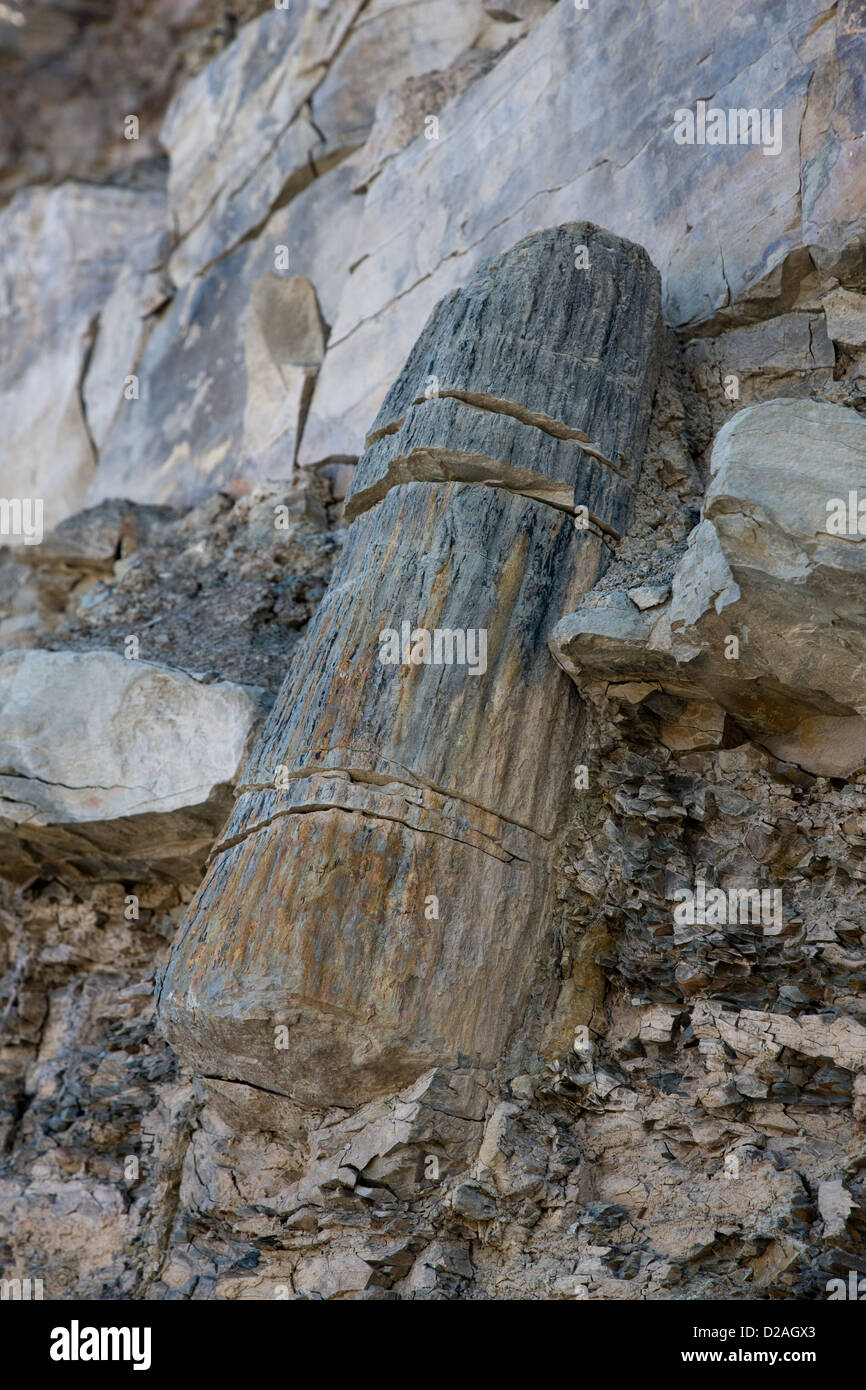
381	895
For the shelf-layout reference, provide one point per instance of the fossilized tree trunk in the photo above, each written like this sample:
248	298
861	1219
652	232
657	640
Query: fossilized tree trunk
383	888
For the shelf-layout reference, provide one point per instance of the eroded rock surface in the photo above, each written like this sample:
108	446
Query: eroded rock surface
67	260
692	1126
734	235
765	622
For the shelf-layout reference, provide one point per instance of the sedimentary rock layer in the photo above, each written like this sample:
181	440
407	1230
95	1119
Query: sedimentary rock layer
780	517
382	890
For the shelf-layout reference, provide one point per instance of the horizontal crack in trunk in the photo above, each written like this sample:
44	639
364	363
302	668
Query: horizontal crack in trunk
432	465
503	856
497	406
363	775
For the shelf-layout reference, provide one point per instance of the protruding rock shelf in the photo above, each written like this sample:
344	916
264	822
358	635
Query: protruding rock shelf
765	621
114	767
381	894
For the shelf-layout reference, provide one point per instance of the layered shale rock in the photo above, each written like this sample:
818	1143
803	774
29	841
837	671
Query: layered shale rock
221	591
382	890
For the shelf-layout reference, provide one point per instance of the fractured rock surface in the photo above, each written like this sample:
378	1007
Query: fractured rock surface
557	125
765	622
227	370
692	1123
65	250
300	88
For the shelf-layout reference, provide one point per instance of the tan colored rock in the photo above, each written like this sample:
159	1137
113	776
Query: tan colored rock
656	1023
700	725
607	636
792	352
632	692
753	1033
284	345
846	317
580	1004
829	746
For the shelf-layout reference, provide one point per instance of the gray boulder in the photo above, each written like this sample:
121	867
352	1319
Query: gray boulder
114	767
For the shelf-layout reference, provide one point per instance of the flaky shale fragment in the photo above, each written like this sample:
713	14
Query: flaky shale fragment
380	901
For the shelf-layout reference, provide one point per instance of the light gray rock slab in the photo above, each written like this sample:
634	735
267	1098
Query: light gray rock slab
846	317
391	41
525	145
649	596
237	135
92	743
776	469
767	609
778	346
294	93
66	251
226	373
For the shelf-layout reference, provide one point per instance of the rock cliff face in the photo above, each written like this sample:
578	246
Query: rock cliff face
535	972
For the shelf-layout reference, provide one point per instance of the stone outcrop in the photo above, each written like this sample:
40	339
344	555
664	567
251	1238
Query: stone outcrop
221	591
200	325
765	621
67	263
300	87
226	373
124	732
111	766
343	98
416	782
525	146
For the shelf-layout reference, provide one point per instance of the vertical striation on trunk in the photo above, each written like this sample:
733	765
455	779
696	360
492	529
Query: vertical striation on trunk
381	893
